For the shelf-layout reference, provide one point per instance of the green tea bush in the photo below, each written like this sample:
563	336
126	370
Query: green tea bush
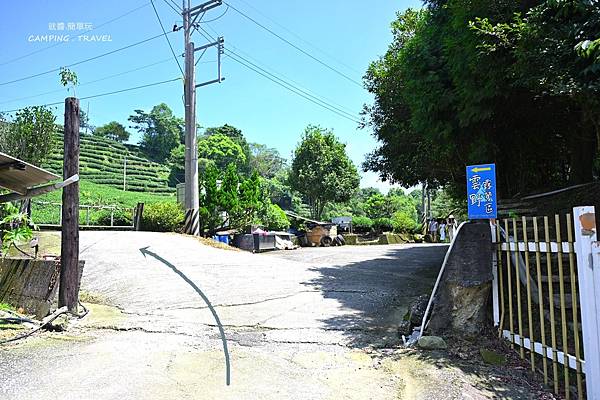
121	217
162	217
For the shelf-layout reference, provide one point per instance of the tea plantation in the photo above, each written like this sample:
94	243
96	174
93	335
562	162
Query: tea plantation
102	161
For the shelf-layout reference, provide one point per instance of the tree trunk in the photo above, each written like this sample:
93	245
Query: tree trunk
583	149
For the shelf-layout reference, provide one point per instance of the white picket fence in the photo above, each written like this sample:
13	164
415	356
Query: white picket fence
512	256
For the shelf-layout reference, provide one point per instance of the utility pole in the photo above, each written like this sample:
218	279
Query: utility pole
125	173
68	291
190	15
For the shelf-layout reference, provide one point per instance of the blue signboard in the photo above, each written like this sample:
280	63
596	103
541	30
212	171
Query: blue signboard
481	191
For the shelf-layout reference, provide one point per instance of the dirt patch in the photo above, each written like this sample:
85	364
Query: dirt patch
508	376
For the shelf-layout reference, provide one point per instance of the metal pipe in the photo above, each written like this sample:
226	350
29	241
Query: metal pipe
439	278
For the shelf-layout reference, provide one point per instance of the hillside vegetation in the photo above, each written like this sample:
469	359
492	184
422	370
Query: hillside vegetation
102	161
46	209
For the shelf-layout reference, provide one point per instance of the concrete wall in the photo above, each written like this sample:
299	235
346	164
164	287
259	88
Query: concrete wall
30	284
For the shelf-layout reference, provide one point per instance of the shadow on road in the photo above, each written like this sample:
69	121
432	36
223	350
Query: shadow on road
376	293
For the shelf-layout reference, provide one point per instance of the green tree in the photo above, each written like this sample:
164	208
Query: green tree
276	218
113	130
160	131
443	100
236	203
221	150
177	164
209	211
266	161
321	170
84	122
29	136
555	49
377	206
68	77
236	136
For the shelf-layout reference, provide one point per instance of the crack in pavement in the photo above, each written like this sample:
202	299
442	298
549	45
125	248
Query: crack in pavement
246	342
228	305
224	305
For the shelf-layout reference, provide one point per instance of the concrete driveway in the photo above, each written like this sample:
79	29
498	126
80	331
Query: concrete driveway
303	324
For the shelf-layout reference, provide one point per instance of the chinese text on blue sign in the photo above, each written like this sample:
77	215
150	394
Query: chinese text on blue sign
481	191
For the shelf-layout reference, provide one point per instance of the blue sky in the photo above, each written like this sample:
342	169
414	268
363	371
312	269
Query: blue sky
347	35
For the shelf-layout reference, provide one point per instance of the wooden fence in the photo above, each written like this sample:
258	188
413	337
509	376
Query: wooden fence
547	297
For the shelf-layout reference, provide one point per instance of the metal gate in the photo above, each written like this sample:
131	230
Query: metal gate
546	296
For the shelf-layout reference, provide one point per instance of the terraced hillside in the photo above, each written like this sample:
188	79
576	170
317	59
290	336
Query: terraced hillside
102	162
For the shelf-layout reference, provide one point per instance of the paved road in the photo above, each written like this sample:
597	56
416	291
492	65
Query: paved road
304	324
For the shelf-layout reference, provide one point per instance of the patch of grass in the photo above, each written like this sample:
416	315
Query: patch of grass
5	306
49	244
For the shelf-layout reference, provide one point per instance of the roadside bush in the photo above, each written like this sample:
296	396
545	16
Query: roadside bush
383	225
162	217
121	217
276	219
403	222
362	224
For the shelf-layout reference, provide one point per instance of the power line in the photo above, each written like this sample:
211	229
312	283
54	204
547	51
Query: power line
295	47
293	84
131	88
82	61
177	9
166	37
285	86
274	73
301	38
90	82
289	86
219	17
59	43
103	94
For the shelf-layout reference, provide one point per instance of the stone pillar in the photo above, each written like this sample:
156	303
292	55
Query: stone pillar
462	302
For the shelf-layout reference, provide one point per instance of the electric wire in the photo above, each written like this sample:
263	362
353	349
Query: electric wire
90	82
285	28
275	72
82	61
296	47
177	9
289	87
59	43
305	93
166	37
103	94
219	17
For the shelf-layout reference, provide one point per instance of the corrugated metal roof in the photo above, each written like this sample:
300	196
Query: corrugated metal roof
18	176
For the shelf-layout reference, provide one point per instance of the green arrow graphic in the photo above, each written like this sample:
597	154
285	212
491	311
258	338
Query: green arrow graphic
144	251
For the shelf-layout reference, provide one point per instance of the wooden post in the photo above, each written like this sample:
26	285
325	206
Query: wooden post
68	293
138	215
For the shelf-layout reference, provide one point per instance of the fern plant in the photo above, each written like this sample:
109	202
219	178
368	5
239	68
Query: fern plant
16	227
